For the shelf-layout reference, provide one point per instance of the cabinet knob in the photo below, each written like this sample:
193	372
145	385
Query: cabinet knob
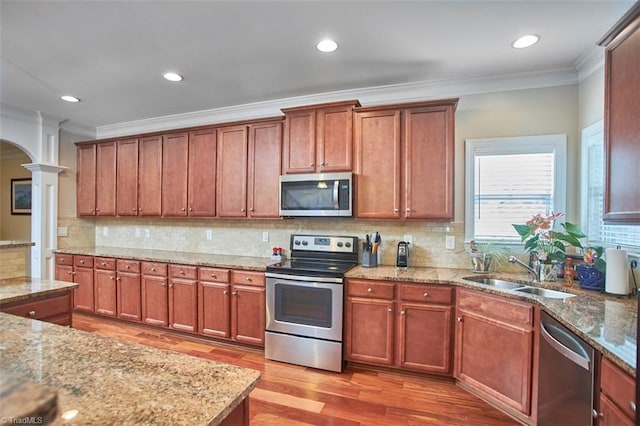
111	278
242	210
133	209
82	262
190	209
369	290
214	276
596	415
225	292
70	272
407	209
181	272
140	209
248	278
425	294
97	210
128	266
103	264
323	164
395	210
183	209
234	293
389	309
170	285
32	313
310	164
251	209
632	405
162	284
153	269
118	279
401	312
459	319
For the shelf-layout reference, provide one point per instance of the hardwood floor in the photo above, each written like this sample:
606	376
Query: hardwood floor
294	395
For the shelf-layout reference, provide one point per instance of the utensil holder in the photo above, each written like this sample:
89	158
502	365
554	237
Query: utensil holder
369	260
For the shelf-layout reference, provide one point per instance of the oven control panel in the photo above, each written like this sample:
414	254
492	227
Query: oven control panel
331	244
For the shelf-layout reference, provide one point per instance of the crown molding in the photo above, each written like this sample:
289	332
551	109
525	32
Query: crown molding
589	62
378	95
77	129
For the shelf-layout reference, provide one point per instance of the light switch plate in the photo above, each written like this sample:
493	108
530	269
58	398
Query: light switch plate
450	242
209	234
62	231
265	236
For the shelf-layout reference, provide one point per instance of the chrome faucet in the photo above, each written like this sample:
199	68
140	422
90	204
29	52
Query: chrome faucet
533	268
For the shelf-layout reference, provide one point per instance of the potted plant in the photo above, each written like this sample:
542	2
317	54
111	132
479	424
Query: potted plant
486	256
591	273
539	236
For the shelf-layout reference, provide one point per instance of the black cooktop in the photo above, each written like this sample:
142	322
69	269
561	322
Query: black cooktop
311	268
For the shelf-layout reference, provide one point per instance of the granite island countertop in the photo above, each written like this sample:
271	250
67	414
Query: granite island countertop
24	288
113	382
11	244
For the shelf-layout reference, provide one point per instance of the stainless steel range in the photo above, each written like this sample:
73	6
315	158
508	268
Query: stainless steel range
305	301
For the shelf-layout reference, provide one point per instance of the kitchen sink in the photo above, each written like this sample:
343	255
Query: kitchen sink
505	285
520	288
544	292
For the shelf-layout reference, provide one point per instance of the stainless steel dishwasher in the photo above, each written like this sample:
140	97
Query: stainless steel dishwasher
565	377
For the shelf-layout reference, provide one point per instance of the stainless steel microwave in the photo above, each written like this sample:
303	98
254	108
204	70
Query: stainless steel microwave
316	194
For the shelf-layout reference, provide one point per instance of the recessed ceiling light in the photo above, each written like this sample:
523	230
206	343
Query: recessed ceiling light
327	46
69	98
172	76
525	41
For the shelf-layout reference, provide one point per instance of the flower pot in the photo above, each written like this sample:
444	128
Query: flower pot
590	278
481	263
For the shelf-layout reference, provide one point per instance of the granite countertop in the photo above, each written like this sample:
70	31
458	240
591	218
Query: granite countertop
167	256
23	288
112	382
5	244
606	322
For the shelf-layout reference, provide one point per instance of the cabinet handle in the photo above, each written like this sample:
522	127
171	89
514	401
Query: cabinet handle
596	415
459	319
632	405
426	294
32	313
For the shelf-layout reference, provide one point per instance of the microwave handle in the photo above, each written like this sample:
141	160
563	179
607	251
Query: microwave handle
336	194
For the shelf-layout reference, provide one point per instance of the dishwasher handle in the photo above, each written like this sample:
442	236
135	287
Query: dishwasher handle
580	359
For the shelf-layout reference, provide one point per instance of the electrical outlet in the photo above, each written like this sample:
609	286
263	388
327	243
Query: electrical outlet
147	233
209	234
450	242
138	233
408	238
105	231
265	236
62	231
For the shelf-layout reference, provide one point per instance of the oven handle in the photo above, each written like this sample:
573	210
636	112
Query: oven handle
336	193
332	280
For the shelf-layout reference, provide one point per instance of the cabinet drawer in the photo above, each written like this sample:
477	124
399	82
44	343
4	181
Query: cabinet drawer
128	265
373	289
618	386
248	278
42	308
182	271
105	263
64	259
154	268
499	308
426	293
83	261
213	275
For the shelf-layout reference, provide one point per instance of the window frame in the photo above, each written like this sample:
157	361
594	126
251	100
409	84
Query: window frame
555	143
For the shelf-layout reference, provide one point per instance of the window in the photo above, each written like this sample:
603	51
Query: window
593	194
511	179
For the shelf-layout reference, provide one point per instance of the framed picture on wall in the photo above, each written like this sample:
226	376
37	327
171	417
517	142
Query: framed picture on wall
20	196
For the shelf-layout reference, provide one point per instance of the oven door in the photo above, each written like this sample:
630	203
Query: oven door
304	306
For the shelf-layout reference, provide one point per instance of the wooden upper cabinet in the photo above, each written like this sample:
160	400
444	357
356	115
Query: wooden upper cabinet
377	164
428	160
86	180
150	176
202	173
622	126
232	171
318	138
106	179
404	161
264	166
127	177
175	161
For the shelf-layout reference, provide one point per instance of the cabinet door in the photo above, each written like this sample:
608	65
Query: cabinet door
129	293
369	331
83	295
155	301
150	176
611	415
106	179
265	156
127	178
64	273
183	305
335	139
175	160
377	164
622	127
299	142
232	171
202	173
248	314
495	358
214	318
424	337
86	180
105	292
428	160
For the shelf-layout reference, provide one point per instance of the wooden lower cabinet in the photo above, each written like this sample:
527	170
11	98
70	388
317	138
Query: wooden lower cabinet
248	314
214	310
494	348
129	290
398	324
53	308
183	298
105	292
617	396
155	294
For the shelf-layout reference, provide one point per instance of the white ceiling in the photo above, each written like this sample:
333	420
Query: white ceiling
111	54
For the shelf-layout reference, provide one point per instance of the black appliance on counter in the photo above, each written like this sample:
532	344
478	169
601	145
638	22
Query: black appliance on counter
305	299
